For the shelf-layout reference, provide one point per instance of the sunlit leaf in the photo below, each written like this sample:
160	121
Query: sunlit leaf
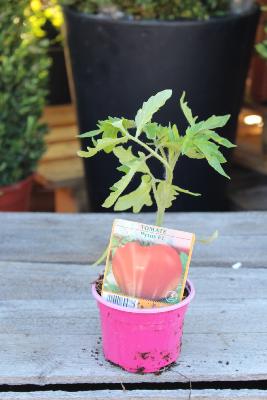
150	107
138	198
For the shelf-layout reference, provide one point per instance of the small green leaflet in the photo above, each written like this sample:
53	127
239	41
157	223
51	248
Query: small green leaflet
213	156
181	190
151	130
124	155
218	139
101	144
210	124
138	198
149	108
186	110
209	239
123	124
90	134
134	166
127	159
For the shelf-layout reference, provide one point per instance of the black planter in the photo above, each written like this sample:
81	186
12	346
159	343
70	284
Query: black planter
117	64
58	85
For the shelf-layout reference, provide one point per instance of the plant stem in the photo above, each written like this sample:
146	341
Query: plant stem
161	207
160	217
151	151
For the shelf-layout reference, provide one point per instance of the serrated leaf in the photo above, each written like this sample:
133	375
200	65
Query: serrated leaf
212	155
90	134
136	199
194	153
210	124
214	121
123	168
137	165
149	108
124	155
186	110
151	130
219	139
101	144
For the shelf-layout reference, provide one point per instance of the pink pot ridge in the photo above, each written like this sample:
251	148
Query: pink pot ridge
142	340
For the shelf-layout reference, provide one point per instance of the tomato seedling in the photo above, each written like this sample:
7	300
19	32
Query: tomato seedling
164	143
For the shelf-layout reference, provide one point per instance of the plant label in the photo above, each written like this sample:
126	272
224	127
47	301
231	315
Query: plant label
146	265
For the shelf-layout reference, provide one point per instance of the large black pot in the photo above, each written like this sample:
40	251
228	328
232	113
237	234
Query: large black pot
119	63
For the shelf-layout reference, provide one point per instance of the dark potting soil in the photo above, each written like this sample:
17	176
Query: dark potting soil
99	283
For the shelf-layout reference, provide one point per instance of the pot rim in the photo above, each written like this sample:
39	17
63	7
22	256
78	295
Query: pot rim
18	184
230	16
183	303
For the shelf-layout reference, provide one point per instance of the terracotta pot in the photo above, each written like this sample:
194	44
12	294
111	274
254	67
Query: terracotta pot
16	197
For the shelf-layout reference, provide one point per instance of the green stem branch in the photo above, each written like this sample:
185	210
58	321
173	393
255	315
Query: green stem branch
151	151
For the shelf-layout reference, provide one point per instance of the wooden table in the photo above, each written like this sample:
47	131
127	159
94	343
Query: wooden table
50	344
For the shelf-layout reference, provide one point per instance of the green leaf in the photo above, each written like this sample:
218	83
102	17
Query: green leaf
151	130
123	168
138	198
219	139
210	124
124	155
187	111
149	108
209	239
137	165
181	190
213	155
90	134
101	144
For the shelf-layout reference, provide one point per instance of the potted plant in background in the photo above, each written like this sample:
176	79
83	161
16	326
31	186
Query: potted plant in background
23	80
120	47
131	336
46	20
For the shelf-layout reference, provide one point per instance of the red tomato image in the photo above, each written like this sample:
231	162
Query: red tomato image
148	272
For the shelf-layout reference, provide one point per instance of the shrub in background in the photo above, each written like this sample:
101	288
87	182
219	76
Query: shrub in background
23	79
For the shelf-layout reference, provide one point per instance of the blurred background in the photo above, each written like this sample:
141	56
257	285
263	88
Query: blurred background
66	64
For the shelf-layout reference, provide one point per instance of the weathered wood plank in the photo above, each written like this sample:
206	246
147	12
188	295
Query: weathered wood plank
49	327
72	281
139	395
82	238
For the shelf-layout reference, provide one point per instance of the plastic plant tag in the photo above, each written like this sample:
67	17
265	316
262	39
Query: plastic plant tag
146	266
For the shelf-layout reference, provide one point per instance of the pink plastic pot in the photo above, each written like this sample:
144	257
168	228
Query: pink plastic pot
142	340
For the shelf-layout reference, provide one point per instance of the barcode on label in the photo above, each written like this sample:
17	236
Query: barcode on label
120	300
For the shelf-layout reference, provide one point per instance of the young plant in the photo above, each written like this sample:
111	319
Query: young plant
164	143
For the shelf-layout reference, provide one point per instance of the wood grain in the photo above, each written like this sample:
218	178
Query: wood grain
82	238
139	395
50	332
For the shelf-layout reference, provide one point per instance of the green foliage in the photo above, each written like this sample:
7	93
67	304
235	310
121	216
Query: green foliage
23	76
155	9
262	46
165	144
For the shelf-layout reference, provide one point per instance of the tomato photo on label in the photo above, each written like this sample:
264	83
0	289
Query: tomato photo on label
148	272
